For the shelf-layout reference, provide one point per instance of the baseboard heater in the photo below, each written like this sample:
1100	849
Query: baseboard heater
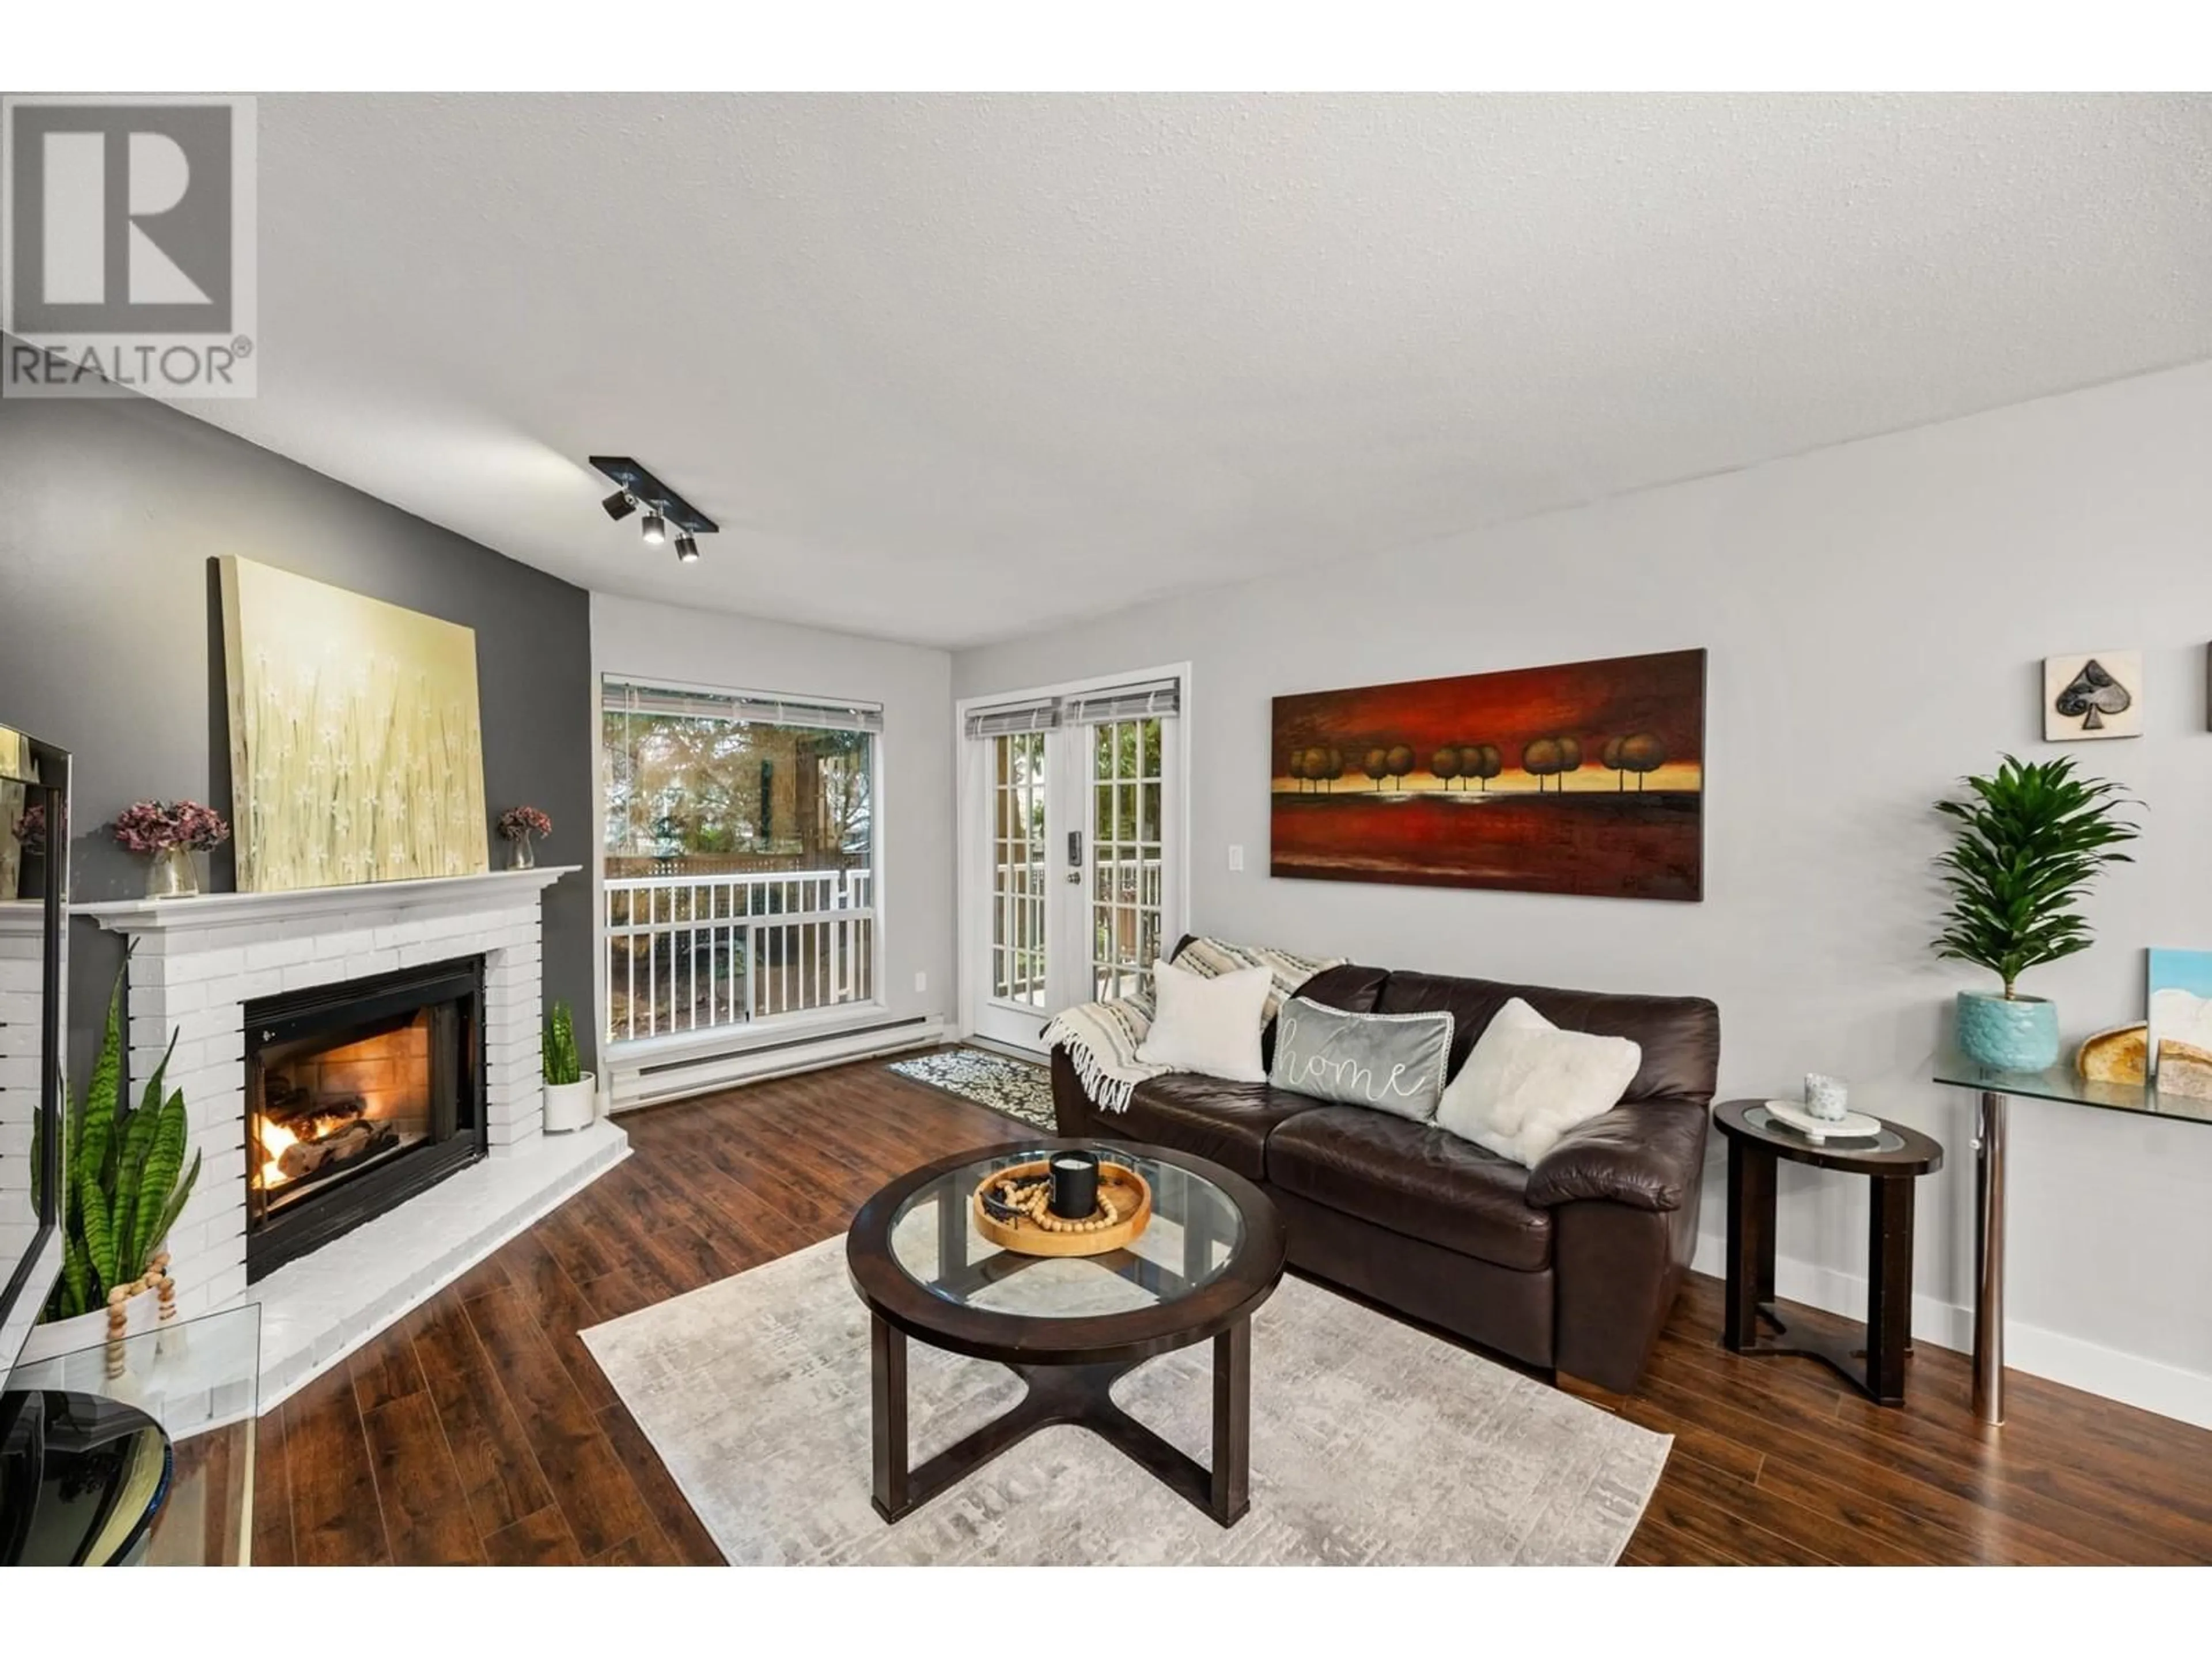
656	1083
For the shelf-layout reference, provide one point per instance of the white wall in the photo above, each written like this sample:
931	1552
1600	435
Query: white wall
1876	614
663	643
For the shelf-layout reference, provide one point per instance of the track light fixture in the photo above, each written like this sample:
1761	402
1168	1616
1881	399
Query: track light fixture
665	512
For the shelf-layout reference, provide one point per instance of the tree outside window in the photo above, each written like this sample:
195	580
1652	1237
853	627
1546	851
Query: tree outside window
695	795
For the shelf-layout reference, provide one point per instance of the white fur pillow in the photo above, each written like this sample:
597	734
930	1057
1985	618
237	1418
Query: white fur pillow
1209	1025
1527	1083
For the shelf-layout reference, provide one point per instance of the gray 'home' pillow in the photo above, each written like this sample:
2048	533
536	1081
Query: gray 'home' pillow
1392	1062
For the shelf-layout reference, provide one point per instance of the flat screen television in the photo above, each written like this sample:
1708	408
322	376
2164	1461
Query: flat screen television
34	828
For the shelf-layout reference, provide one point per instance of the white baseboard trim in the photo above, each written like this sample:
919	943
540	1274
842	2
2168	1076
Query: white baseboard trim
2151	1384
1011	1050
668	1082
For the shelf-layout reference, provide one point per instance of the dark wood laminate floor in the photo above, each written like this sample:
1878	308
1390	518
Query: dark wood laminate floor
479	1430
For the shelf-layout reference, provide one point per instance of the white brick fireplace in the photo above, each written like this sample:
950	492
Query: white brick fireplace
198	961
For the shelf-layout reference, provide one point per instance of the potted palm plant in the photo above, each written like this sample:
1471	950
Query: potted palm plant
2030	843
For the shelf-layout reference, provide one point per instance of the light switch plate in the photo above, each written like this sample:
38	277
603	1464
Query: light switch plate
1236	858
921	982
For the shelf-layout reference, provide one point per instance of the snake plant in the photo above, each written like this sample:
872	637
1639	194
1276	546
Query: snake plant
562	1065
121	1173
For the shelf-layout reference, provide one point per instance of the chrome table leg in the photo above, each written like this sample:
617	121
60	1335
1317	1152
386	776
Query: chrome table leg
1989	1257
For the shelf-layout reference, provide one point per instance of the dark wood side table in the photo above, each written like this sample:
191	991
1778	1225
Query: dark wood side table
1891	1163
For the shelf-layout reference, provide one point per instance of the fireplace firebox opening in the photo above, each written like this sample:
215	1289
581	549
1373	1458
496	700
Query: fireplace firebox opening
359	1096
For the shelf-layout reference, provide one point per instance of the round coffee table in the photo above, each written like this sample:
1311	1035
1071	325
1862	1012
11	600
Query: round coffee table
1068	1325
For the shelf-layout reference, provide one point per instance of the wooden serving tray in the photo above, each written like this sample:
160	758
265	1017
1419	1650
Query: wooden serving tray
1132	1201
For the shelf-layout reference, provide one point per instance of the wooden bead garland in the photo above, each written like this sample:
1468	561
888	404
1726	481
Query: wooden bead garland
118	1319
1034	1200
155	1279
167	1287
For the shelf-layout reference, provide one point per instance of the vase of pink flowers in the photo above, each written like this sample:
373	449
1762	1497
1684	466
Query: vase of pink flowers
169	832
519	825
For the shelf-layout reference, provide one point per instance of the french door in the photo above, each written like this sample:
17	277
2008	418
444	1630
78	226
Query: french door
1074	848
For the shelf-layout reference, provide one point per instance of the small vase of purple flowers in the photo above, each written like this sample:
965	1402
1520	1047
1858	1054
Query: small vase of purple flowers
21	842
169	832
518	824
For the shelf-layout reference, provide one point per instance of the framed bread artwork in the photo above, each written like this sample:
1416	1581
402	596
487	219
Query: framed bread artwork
2178	1040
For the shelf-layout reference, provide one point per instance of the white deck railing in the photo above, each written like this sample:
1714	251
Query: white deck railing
691	953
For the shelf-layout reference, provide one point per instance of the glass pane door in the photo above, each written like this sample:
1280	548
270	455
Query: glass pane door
1071	841
1127	809
1018	955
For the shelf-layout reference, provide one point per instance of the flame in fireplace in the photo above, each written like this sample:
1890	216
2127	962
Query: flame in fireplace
273	1138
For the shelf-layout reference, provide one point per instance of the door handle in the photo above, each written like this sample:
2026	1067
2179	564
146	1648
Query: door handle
1075	858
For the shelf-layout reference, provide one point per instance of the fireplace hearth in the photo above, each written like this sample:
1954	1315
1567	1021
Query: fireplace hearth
359	1096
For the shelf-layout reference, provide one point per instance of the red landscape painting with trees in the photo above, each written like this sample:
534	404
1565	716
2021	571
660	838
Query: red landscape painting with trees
1584	777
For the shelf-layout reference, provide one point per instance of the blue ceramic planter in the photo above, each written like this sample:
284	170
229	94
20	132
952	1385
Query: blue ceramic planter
2020	1034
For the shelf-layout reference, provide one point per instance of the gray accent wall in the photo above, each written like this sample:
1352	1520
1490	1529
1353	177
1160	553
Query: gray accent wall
1876	614
112	512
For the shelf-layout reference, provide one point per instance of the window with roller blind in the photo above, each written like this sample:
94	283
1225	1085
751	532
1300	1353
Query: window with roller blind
740	836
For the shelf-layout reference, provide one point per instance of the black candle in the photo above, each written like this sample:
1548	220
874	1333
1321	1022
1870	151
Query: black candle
1074	1184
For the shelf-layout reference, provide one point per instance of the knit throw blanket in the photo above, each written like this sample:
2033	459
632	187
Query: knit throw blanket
1102	1038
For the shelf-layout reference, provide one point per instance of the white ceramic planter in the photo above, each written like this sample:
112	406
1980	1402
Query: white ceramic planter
570	1105
89	1330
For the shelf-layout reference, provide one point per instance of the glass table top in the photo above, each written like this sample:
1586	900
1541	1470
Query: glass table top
200	1379
1195	1232
2062	1082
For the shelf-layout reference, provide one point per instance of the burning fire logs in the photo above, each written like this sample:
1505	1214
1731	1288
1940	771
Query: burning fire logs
299	1135
304	1158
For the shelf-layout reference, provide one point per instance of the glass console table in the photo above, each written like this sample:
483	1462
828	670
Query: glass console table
199	1380
1992	1091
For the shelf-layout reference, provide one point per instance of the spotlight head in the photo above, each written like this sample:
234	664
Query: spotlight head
655	528
687	551
619	506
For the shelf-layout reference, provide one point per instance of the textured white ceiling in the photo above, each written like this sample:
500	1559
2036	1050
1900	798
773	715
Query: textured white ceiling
950	369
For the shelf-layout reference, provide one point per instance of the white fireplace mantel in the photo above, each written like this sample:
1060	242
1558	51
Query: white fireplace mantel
200	962
146	916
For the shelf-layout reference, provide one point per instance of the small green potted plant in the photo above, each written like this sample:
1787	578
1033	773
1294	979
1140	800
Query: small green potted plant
2029	844
569	1088
124	1182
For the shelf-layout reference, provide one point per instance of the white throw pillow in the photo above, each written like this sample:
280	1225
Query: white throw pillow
1210	1025
1527	1083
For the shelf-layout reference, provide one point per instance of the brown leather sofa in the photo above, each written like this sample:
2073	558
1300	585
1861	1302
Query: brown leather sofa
1572	1265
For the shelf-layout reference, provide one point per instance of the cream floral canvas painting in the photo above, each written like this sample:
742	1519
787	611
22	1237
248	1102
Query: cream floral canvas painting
357	753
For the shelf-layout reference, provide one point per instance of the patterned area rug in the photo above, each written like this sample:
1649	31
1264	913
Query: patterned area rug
1021	1089
1371	1443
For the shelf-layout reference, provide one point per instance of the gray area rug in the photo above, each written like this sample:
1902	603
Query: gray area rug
1020	1089
1371	1443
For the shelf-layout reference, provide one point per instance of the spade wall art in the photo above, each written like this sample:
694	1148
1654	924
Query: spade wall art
1579	778
2093	693
355	752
